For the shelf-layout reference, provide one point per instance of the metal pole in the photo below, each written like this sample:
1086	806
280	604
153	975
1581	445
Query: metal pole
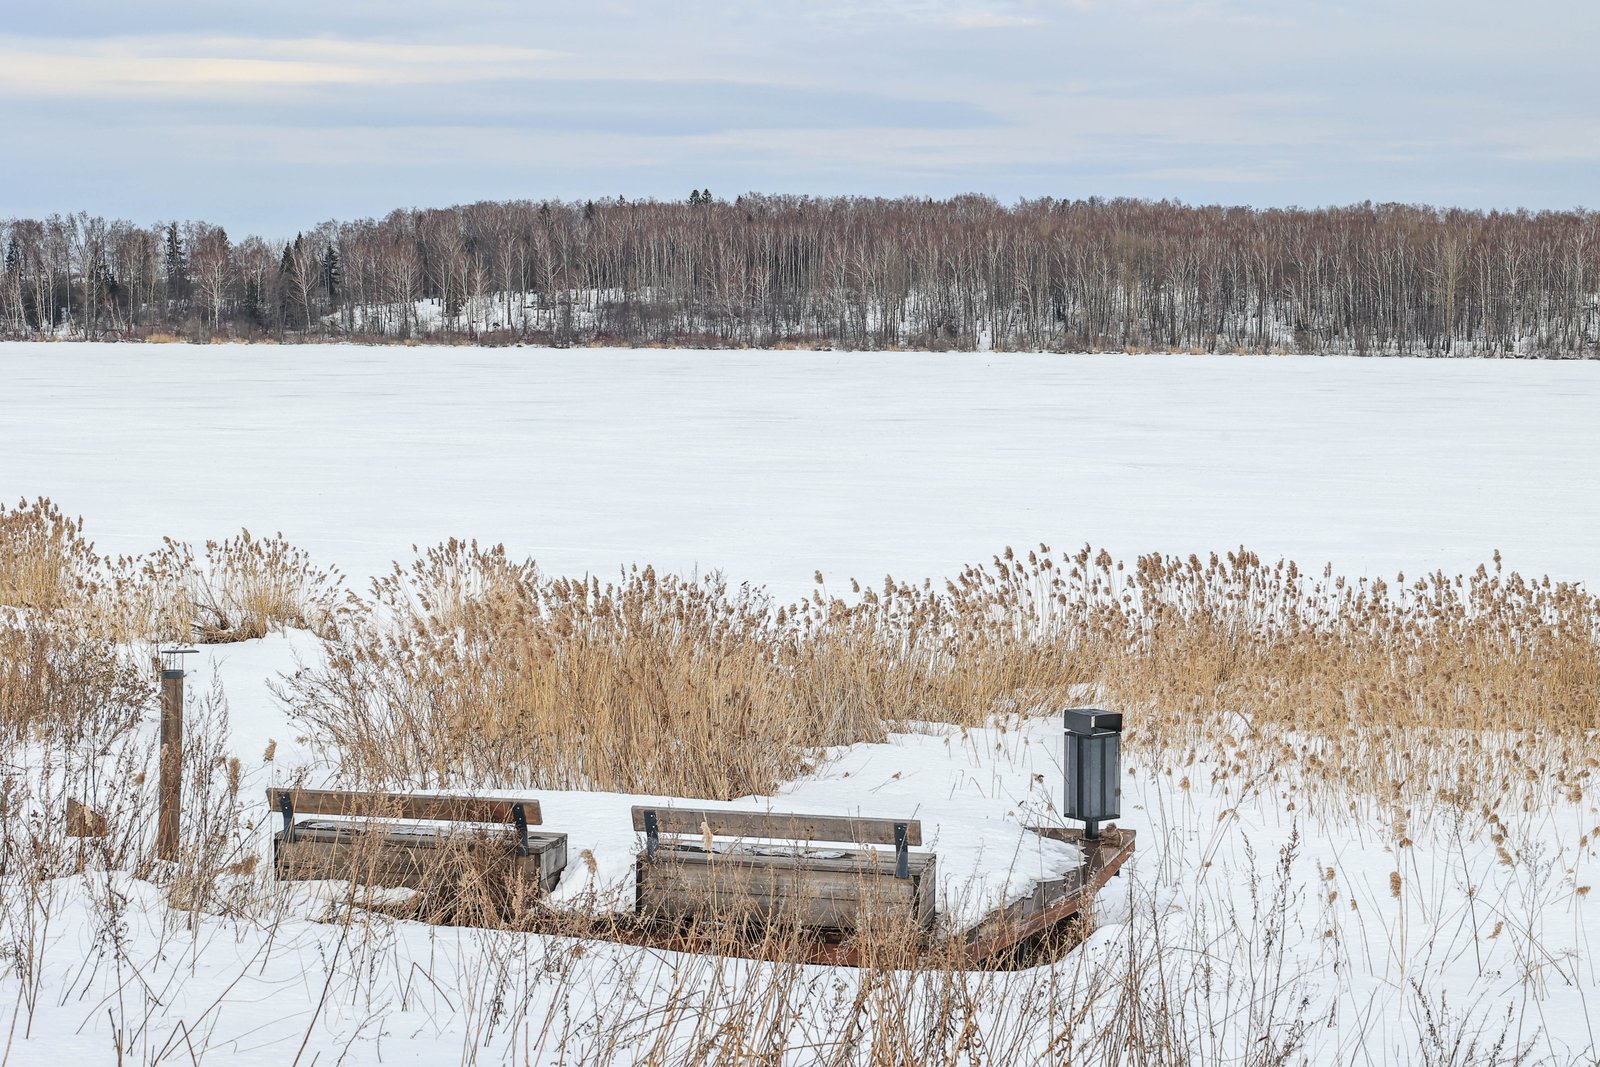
170	799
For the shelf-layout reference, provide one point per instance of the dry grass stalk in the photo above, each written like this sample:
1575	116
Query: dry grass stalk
245	588
46	565
64	684
242	587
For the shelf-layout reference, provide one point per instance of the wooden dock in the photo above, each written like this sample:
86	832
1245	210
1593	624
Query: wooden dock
1002	937
777	890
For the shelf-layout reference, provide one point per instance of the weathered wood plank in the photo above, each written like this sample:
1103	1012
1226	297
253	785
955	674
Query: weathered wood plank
847	894
406	806
414	857
84	821
777	825
873	861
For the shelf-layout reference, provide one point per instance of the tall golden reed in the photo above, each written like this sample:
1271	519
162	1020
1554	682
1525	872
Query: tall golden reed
471	667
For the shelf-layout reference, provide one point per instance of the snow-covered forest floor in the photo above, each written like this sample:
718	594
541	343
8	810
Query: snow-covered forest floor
1312	884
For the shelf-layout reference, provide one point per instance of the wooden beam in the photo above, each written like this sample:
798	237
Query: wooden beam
849	894
169	790
84	821
371	853
778	826
407	806
1004	929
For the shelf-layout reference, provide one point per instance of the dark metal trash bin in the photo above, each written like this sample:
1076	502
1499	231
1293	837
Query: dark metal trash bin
1093	766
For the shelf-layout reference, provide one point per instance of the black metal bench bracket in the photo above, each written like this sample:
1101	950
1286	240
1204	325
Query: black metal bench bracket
521	818
902	855
652	835
286	808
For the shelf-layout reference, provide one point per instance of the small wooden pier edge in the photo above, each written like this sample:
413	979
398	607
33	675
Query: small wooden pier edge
1054	901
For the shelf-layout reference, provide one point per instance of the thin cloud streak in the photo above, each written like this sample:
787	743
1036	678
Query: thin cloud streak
179	64
1251	101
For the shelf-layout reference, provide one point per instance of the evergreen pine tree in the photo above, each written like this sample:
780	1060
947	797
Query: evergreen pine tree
332	273
105	282
252	303
174	265
24	293
285	284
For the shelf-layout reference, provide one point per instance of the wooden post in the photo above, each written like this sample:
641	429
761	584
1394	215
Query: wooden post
84	821
170	798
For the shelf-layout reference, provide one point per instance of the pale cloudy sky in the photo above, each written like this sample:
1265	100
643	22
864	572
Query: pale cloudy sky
271	117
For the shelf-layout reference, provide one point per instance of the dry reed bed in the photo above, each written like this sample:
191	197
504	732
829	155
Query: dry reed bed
469	667
235	589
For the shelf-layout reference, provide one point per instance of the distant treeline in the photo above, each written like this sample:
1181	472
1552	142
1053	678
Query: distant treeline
774	271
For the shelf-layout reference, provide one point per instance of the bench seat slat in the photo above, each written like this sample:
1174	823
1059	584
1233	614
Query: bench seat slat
777	825
370	805
372	854
846	894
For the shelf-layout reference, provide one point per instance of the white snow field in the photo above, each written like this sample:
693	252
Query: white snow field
1253	900
771	465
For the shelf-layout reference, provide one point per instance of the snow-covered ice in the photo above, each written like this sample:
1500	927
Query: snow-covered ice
770	465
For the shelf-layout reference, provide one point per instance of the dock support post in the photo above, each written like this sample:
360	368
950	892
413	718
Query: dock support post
170	796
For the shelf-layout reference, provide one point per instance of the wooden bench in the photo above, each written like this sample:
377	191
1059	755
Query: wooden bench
832	889
366	842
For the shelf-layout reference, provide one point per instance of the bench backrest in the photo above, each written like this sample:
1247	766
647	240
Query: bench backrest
405	806
780	826
900	833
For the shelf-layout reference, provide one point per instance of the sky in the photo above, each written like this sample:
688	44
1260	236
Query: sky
269	118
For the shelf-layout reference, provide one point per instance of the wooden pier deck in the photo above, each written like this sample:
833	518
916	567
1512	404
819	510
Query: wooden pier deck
795	899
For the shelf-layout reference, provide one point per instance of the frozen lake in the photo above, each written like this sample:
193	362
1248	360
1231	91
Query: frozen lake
769	465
